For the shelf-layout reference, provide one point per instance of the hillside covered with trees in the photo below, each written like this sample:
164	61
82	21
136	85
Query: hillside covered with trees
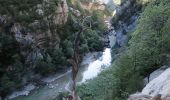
36	38
39	38
146	51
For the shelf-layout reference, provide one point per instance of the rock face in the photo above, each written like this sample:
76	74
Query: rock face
45	30
159	85
61	13
139	96
155	74
94	6
157	89
75	12
57	18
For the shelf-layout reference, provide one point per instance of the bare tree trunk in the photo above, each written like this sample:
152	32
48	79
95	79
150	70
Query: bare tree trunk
148	78
75	61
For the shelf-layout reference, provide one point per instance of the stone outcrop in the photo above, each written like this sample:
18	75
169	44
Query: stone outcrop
139	96
75	12
157	89
159	85
94	6
61	13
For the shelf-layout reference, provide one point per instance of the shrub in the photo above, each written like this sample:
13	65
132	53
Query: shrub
44	67
100	88
58	56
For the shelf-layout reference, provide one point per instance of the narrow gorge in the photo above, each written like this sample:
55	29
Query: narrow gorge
84	49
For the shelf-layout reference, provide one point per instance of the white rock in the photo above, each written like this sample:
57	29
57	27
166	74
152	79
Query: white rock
159	85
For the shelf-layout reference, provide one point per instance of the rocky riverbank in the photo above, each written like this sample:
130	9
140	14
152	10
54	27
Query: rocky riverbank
58	82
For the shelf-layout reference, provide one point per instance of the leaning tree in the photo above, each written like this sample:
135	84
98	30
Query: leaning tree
83	24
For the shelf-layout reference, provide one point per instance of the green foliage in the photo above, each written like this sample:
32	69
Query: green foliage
14	70
20	10
8	48
126	13
44	67
97	17
78	7
90	39
148	46
127	80
68	48
58	56
148	41
99	88
26	12
93	40
11	65
6	85
84	48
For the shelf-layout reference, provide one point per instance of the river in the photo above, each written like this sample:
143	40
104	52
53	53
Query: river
92	64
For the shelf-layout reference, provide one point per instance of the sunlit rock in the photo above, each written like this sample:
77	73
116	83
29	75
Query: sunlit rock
157	89
159	85
61	13
75	12
139	96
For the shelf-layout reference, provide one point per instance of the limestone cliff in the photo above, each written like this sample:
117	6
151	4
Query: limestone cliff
157	89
